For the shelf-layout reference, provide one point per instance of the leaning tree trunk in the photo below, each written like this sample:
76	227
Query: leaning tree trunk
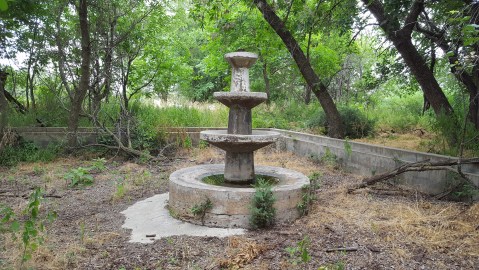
80	92
336	127
3	103
402	40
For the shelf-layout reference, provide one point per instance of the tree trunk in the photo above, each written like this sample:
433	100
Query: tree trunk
267	87
3	103
336	126
402	40
80	92
422	73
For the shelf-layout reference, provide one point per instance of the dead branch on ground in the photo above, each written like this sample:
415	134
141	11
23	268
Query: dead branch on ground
424	165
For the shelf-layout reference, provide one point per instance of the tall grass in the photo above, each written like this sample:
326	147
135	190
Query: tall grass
400	113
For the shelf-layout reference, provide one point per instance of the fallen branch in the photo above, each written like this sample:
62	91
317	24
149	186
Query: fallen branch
424	165
345	249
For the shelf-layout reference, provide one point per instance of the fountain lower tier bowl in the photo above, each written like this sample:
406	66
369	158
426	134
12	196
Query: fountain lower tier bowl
243	99
239	143
231	205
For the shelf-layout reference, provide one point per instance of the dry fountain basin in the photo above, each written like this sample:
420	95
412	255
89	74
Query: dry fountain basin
231	201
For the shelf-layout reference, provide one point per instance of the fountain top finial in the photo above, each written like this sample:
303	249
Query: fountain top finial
241	59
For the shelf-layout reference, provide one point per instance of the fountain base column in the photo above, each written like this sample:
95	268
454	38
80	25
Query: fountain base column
239	167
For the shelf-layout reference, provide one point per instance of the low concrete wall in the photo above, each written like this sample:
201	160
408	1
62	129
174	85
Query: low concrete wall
43	136
364	159
367	159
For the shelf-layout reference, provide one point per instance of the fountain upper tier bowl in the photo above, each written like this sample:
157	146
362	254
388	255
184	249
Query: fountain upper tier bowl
241	59
243	99
239	143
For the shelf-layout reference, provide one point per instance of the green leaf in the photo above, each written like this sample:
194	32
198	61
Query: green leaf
15	226
3	5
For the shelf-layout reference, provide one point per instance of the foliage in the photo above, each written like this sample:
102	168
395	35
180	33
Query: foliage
329	159
25	151
98	164
199	210
299	254
309	194
262	206
33	224
79	177
357	124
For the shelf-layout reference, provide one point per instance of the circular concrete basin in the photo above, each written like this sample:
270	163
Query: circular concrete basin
231	205
237	142
243	99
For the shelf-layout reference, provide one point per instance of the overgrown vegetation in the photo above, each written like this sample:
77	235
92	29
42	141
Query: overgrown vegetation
309	194
28	228
23	151
262	206
200	210
299	254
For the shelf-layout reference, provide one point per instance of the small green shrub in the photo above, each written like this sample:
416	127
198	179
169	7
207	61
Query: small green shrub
79	177
262	209
33	224
199	210
309	195
98	164
357	124
299	253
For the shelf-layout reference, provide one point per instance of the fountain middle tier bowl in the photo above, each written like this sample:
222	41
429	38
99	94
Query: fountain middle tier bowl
239	143
243	99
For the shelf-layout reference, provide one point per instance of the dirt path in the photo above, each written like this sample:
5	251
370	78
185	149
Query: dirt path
386	232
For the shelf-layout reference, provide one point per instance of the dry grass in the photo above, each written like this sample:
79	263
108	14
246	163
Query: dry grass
241	251
416	141
449	228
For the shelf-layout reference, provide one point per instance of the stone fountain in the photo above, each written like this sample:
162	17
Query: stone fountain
230	202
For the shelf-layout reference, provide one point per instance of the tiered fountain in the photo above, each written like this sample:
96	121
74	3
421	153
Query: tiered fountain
231	201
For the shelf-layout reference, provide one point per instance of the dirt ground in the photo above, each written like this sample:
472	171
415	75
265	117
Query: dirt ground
410	231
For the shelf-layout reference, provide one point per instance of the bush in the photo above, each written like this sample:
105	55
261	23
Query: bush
356	123
25	151
262	210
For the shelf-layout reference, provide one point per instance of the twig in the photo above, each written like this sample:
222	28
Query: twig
346	249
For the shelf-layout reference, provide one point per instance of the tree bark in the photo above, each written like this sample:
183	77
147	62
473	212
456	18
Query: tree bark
267	87
3	103
80	92
402	40
336	126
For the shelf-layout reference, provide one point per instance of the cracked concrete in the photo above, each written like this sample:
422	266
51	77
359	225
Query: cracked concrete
149	220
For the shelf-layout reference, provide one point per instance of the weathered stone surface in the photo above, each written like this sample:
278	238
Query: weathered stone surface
243	99
239	142
240	63
231	204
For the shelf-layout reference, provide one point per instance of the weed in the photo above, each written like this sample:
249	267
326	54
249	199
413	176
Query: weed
299	253
337	266
38	170
33	224
79	177
309	196
187	143
347	148
120	190
203	144
262	209
216	180
329	159
199	210
98	164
